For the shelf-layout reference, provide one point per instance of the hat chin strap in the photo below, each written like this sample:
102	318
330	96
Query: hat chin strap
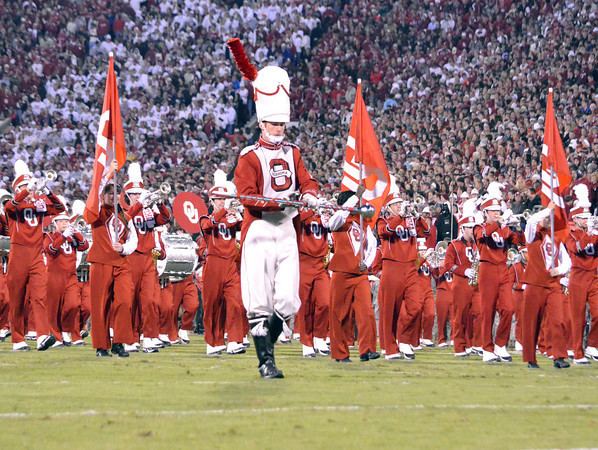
274	140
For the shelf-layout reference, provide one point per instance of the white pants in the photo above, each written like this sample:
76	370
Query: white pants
270	269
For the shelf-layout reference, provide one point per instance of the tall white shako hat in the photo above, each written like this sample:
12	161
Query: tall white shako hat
493	199
134	184
271	86
582	205
468	216
221	185
64	215
22	174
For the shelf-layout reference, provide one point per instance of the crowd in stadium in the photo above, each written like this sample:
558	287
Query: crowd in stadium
454	88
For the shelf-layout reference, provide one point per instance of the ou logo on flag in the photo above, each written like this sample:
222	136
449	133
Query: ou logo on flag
191	212
188	209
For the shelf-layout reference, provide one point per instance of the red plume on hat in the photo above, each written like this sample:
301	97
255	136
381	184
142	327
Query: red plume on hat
248	70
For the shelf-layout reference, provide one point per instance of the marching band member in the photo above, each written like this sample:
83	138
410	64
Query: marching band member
350	287
273	168
426	315
582	244
461	253
26	269
516	272
444	303
4	301
398	233
63	302
83	293
493	239
178	292
314	287
543	299
146	211
110	280
223	307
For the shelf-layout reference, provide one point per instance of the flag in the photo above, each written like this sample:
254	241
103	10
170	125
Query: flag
363	147
110	143
554	161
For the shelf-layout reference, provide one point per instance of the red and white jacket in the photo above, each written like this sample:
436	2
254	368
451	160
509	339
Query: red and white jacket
275	171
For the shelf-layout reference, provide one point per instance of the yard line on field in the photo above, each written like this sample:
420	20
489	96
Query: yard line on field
315	408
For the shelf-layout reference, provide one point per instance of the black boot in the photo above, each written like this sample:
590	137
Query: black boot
265	355
275	325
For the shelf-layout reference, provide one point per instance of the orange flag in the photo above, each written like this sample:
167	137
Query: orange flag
554	167
363	147
110	144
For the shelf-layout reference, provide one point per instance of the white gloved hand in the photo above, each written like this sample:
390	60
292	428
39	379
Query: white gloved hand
32	185
310	200
68	232
469	273
145	198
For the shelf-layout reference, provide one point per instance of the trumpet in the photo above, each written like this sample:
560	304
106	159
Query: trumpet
79	223
160	194
50	175
418	202
513	256
3	199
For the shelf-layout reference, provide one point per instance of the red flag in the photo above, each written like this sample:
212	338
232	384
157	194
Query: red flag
554	161
110	144
363	147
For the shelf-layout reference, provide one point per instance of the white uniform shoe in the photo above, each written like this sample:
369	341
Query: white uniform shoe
321	347
31	336
393	357
518	346
4	333
308	352
426	342
66	338
214	350
443	345
489	357
157	343
148	346
461	354
570	354
407	351
20	347
581	362
246	342
235	348
132	348
184	336
592	353
502	353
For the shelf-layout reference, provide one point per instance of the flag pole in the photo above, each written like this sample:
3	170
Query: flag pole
115	194
552	210
552	219
361	233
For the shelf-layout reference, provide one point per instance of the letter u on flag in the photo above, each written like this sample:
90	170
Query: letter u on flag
363	148
110	144
556	176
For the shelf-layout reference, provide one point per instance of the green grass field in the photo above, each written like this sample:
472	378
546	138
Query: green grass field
180	398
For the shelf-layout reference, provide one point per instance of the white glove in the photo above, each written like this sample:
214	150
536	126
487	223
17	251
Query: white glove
68	232
564	281
145	198
32	185
310	200
469	273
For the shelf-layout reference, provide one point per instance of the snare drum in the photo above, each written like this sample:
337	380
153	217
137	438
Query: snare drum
181	257
82	263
